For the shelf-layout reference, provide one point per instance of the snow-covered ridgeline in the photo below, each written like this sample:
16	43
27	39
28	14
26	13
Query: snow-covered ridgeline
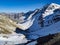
50	9
29	22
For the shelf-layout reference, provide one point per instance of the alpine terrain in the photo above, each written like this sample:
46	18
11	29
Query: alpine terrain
38	27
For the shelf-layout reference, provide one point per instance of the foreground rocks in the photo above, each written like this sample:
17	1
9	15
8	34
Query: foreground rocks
53	39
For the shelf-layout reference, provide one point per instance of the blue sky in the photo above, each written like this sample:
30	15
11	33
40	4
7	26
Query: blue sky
23	5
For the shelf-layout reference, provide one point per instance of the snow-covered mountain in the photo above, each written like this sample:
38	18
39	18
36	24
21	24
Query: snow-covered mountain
37	23
47	21
50	9
44	18
51	12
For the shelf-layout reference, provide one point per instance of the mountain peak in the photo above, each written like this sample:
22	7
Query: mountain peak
49	10
55	5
